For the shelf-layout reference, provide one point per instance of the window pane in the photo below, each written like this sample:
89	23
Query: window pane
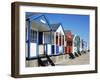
33	36
56	39
47	37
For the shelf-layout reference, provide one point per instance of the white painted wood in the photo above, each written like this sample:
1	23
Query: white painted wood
43	21
65	43
33	51
60	49
49	49
81	44
73	46
41	49
60	30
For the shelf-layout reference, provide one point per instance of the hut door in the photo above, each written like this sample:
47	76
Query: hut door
40	38
40	43
70	47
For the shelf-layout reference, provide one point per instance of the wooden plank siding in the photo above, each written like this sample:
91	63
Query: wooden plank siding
69	43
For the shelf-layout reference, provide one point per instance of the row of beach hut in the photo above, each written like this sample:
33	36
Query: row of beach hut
51	39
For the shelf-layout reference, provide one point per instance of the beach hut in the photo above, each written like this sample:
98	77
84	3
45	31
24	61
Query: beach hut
83	46
69	43
76	45
38	42
58	39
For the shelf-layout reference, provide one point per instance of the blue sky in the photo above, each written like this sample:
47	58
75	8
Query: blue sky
78	24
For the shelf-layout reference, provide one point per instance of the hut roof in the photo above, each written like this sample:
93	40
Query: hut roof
69	35
55	26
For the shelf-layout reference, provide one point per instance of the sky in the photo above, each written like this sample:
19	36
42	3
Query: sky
78	24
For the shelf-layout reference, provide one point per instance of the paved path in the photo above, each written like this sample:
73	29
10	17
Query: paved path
83	59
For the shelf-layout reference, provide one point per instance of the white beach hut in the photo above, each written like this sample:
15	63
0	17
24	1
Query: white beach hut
58	38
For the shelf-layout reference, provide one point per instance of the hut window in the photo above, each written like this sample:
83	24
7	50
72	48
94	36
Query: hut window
63	40
75	43
56	38
46	37
69	43
52	38
33	36
82	44
60	40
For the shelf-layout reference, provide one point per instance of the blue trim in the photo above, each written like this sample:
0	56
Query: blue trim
52	49
46	20
37	17
63	49
29	38
31	19
57	49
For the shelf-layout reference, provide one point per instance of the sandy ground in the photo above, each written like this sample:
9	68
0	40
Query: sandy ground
83	59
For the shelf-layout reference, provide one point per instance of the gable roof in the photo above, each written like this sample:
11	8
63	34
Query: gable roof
39	21
66	33
54	27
